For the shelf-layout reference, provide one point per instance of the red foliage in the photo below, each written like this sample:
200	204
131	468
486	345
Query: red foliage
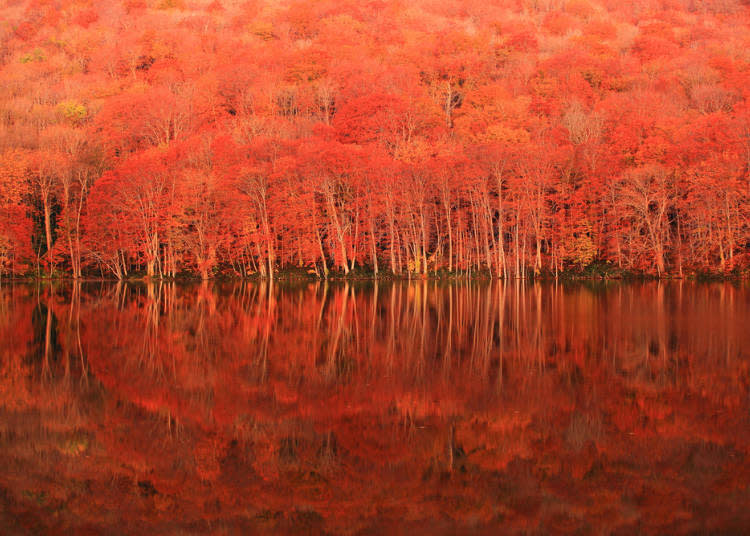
310	96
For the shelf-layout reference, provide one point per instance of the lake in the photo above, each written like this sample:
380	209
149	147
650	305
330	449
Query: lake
369	408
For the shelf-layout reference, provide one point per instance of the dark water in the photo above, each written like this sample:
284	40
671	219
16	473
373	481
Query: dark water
365	409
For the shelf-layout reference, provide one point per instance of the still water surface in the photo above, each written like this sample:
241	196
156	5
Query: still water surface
422	407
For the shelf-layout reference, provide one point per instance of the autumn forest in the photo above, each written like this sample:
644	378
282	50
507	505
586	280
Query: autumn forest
509	139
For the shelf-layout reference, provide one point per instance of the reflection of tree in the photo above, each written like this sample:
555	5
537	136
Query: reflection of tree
466	403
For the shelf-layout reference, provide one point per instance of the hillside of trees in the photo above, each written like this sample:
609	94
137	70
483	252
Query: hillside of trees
512	138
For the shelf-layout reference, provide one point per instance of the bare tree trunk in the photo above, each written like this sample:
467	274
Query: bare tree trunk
447	209
333	214
48	229
373	245
320	245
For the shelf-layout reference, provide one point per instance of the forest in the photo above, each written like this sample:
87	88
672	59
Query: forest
513	139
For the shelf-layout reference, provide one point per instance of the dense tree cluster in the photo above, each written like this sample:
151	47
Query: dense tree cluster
512	138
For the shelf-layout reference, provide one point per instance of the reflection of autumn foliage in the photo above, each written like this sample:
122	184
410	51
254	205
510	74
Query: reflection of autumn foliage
364	407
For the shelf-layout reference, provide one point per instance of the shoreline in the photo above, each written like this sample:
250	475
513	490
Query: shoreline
283	276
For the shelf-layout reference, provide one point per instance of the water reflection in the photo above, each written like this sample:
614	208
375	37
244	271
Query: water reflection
359	408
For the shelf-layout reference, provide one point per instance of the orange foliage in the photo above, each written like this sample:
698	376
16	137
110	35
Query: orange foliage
608	92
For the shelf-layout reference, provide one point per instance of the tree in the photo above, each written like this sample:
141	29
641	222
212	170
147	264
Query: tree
138	194
645	194
15	225
47	169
